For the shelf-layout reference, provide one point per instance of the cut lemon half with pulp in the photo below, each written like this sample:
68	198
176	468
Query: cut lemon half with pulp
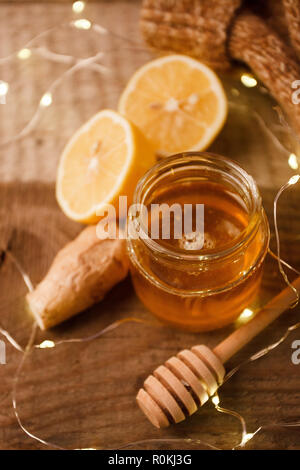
103	160
178	103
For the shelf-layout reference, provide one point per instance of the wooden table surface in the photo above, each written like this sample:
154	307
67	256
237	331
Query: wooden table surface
83	395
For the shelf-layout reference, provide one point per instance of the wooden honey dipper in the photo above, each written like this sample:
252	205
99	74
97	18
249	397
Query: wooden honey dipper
186	381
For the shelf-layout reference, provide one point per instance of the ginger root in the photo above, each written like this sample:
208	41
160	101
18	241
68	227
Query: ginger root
80	275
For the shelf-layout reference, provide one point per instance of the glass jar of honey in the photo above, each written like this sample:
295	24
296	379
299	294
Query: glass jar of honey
203	279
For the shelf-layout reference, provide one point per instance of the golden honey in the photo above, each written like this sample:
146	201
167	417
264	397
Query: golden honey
198	281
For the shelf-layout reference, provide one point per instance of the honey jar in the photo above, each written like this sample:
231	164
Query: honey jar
201	279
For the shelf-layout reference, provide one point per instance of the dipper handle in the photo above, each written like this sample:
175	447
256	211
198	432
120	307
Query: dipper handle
242	336
186	381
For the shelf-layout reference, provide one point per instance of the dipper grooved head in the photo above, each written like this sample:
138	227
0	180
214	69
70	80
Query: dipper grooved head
177	388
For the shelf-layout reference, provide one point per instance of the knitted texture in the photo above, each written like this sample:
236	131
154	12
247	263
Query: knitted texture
292	18
197	27
254	43
275	16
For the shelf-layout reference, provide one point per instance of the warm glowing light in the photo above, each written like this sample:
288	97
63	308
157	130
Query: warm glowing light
82	24
46	99
248	80
3	88
47	344
215	400
294	179
24	54
78	7
87	448
247	313
244	317
293	161
246	438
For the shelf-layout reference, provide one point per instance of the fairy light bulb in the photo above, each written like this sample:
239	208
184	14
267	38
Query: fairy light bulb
24	54
292	161
46	344
294	179
82	24
248	80
247	313
246	438
46	100
86	448
78	7
244	317
3	88
215	400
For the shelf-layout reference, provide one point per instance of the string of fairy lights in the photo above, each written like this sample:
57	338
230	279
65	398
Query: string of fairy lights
46	100
25	53
245	316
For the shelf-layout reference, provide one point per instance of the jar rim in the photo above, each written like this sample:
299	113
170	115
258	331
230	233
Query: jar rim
201	159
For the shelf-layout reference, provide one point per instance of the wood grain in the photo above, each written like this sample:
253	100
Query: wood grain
83	395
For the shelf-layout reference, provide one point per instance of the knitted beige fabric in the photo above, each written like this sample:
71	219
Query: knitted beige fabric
274	14
198	27
292	18
283	16
254	43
